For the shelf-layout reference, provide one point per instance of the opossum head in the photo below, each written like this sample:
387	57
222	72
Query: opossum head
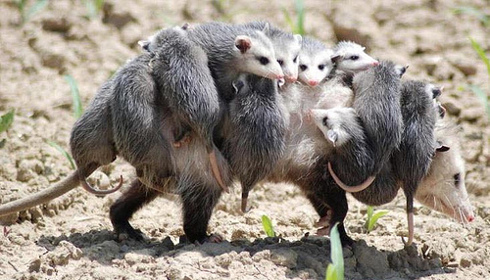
256	55
444	189
159	38
287	49
338	125
350	57
314	63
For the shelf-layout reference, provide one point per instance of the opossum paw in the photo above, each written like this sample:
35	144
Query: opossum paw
325	220
213	238
325	231
184	141
129	233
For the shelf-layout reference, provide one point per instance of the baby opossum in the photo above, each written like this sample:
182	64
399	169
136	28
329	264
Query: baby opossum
254	139
315	62
234	49
184	79
351	58
411	161
286	48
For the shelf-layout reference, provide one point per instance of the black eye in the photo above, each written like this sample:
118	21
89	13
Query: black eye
295	59
321	66
303	67
263	60
354	57
325	121
457	179
280	61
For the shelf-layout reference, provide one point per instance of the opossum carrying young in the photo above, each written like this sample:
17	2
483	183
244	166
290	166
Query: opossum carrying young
255	131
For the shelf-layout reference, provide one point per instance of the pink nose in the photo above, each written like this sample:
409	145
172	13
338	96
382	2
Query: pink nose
290	79
376	63
279	77
312	83
470	218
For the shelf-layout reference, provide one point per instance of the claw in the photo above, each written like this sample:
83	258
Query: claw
92	190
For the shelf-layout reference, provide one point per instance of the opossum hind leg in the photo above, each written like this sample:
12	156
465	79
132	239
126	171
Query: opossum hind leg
198	201
121	211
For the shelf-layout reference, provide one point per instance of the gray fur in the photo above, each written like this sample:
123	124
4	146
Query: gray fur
377	102
218	41
255	137
185	82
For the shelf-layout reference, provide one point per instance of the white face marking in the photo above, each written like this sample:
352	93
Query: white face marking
353	58
444	189
289	60
330	123
314	69
260	59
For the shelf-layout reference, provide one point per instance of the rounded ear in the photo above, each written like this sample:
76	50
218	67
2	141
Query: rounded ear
298	38
336	58
332	136
238	85
266	28
243	43
441	147
186	26
144	44
400	70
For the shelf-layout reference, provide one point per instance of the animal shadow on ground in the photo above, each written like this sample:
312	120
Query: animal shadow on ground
309	255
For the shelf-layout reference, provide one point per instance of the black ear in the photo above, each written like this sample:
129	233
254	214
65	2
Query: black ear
186	26
401	70
238	85
336	58
441	147
144	44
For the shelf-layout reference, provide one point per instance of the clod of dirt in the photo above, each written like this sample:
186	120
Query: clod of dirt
371	262
115	16
57	24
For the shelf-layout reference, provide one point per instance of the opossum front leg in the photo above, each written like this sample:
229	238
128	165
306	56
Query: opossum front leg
121	211
330	203
198	201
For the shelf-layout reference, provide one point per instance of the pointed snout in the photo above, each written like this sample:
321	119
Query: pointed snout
375	63
470	218
313	83
290	79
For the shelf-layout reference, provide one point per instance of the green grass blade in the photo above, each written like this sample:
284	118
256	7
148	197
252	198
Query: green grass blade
37	7
6	120
77	103
369	215
288	18
336	252
481	53
63	152
331	273
267	224
375	218
300	13
91	9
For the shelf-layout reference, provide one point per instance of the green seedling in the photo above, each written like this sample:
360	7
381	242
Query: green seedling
372	218
63	152
94	7
268	228
77	102
335	270
6	121
472	11
298	26
476	89
27	14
